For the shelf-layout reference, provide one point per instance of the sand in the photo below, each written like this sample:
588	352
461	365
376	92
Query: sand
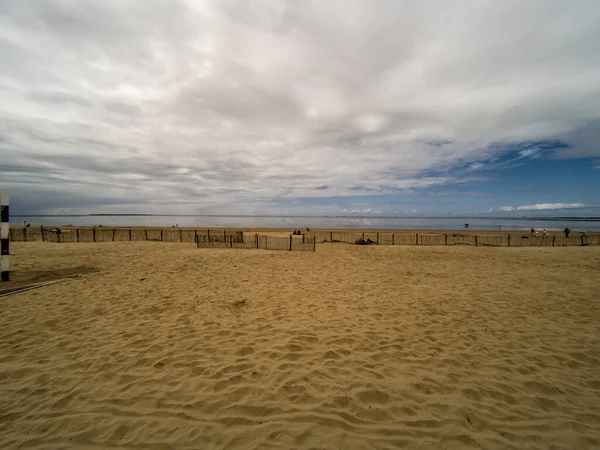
151	345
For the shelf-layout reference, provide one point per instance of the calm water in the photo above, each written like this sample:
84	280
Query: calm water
413	223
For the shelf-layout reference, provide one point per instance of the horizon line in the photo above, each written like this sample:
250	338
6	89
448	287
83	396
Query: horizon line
276	216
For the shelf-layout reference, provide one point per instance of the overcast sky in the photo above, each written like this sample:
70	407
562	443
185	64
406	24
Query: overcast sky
300	107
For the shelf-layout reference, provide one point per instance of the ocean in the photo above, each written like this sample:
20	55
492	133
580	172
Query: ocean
383	223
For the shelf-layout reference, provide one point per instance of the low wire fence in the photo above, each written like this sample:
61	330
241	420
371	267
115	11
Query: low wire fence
257	241
485	240
202	238
306	242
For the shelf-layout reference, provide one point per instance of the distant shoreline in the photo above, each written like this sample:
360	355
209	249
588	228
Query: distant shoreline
546	218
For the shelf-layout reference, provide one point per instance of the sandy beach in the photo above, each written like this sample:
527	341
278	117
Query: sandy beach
155	345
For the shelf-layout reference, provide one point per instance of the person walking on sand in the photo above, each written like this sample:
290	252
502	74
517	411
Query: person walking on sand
566	231
532	231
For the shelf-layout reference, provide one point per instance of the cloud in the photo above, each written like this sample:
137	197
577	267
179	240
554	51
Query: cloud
151	106
544	207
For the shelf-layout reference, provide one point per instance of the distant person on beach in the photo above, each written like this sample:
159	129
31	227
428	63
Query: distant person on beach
499	227
584	232
307	229
545	232
532	231
566	231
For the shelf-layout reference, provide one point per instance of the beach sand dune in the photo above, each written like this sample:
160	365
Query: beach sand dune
151	345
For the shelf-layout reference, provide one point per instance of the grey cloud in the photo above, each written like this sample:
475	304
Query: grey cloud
243	102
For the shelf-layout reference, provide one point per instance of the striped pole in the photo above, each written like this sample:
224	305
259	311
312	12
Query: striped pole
4	232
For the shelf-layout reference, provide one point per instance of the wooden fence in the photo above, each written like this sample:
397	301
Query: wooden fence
485	240
202	238
237	239
256	241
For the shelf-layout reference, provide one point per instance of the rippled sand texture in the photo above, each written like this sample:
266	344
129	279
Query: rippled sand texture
166	346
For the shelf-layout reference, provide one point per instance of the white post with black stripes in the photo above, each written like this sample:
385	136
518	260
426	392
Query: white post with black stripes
4	230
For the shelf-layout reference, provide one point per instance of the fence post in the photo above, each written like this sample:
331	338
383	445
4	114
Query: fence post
145	234
256	240
114	231
553	238
392	238
377	238
314	243
582	240
331	236
225	235
180	236
94	234
77	231
196	236
130	236
445	239
230	241
416	238
290	242
42	228
161	235
4	237
363	236
475	240
208	233
509	240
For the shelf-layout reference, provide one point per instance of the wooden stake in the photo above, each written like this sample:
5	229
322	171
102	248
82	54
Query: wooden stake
130	236
114	231
94	234
290	242
417	239
509	241
377	238
180	236
145	234
161	235
77	231
475	240
42	228
445	239
392	238
314	243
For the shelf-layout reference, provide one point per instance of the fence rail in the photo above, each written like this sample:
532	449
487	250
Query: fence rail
237	239
485	240
257	241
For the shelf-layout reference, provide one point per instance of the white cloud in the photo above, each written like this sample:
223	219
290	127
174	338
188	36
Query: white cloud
179	106
544	207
